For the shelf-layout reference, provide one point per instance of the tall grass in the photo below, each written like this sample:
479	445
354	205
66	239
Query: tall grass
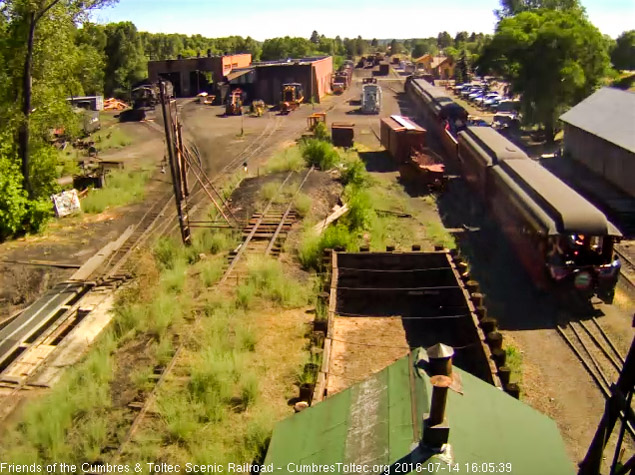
266	279
290	159
302	204
122	188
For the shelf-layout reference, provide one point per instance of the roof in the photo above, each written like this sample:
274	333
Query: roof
236	73
608	113
399	123
291	61
425	57
438	61
379	421
492	143
571	212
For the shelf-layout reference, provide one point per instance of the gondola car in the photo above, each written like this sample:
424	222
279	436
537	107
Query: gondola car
561	239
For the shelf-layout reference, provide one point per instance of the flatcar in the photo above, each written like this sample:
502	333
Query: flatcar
561	239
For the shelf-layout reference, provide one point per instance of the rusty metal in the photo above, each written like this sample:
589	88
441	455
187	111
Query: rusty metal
440	385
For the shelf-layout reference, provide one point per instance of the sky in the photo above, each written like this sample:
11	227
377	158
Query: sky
382	19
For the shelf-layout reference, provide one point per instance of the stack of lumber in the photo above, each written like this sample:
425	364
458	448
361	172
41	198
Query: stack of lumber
113	104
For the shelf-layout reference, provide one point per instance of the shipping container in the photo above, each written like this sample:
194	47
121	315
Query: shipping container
342	134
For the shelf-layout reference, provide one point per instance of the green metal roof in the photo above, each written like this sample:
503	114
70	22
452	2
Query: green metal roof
371	423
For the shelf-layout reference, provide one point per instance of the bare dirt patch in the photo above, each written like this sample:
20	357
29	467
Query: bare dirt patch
362	347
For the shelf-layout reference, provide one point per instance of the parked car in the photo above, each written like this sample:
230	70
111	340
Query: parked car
469	90
482	101
475	94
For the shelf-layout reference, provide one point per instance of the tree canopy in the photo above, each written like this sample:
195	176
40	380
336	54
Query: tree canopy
623	53
552	58
514	7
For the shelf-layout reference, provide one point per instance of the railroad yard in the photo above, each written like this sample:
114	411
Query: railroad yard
243	303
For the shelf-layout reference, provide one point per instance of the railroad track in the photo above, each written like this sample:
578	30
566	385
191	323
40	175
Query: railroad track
627	272
596	351
263	235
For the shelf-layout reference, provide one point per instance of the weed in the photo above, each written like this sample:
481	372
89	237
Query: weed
514	361
269	190
212	270
320	154
354	172
94	436
361	212
180	416
164	350
114	137
287	160
266	279
165	252
437	233
173	279
302	204
249	389
122	188
245	338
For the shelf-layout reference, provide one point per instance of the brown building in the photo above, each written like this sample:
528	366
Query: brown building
192	75
599	133
313	73
440	67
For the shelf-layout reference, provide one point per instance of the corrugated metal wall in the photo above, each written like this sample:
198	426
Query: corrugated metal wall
615	164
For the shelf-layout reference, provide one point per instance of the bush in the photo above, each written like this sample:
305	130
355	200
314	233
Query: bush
320	154
354	173
320	132
361	211
311	246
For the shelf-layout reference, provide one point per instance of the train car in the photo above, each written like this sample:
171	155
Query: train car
561	239
444	117
479	149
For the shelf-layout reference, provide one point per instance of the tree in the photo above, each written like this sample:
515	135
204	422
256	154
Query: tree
623	53
126	62
315	38
461	72
374	42
395	47
552	58
26	15
513	7
444	40
460	38
422	47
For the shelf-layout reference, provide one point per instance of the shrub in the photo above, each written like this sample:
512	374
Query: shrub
361	212
320	154
355	173
320	132
165	252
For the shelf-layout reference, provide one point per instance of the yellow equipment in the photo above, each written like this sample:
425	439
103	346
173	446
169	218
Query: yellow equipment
292	97
235	103
258	107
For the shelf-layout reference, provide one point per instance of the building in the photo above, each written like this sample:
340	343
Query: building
599	133
193	75
390	420
440	67
313	73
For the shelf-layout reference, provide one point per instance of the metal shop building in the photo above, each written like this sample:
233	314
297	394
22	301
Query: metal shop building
599	133
313	73
192	75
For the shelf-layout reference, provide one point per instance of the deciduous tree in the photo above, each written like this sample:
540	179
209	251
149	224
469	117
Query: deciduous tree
623	53
553	59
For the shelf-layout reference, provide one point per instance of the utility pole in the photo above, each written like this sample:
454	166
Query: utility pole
175	166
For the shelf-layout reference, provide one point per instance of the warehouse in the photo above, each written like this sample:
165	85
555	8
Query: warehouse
598	132
193	75
313	73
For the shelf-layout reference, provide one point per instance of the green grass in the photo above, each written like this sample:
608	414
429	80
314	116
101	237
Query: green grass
289	159
212	270
122	188
440	236
514	361
302	204
110	138
266	279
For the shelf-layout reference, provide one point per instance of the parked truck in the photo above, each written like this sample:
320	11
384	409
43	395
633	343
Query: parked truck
371	98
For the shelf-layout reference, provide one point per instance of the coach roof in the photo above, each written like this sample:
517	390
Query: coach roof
492	143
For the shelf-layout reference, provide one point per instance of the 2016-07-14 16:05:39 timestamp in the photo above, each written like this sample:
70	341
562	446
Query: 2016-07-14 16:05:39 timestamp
440	467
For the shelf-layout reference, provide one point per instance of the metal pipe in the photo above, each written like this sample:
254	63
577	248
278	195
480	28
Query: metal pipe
440	385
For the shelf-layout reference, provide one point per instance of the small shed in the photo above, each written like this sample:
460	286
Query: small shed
400	136
599	133
380	422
